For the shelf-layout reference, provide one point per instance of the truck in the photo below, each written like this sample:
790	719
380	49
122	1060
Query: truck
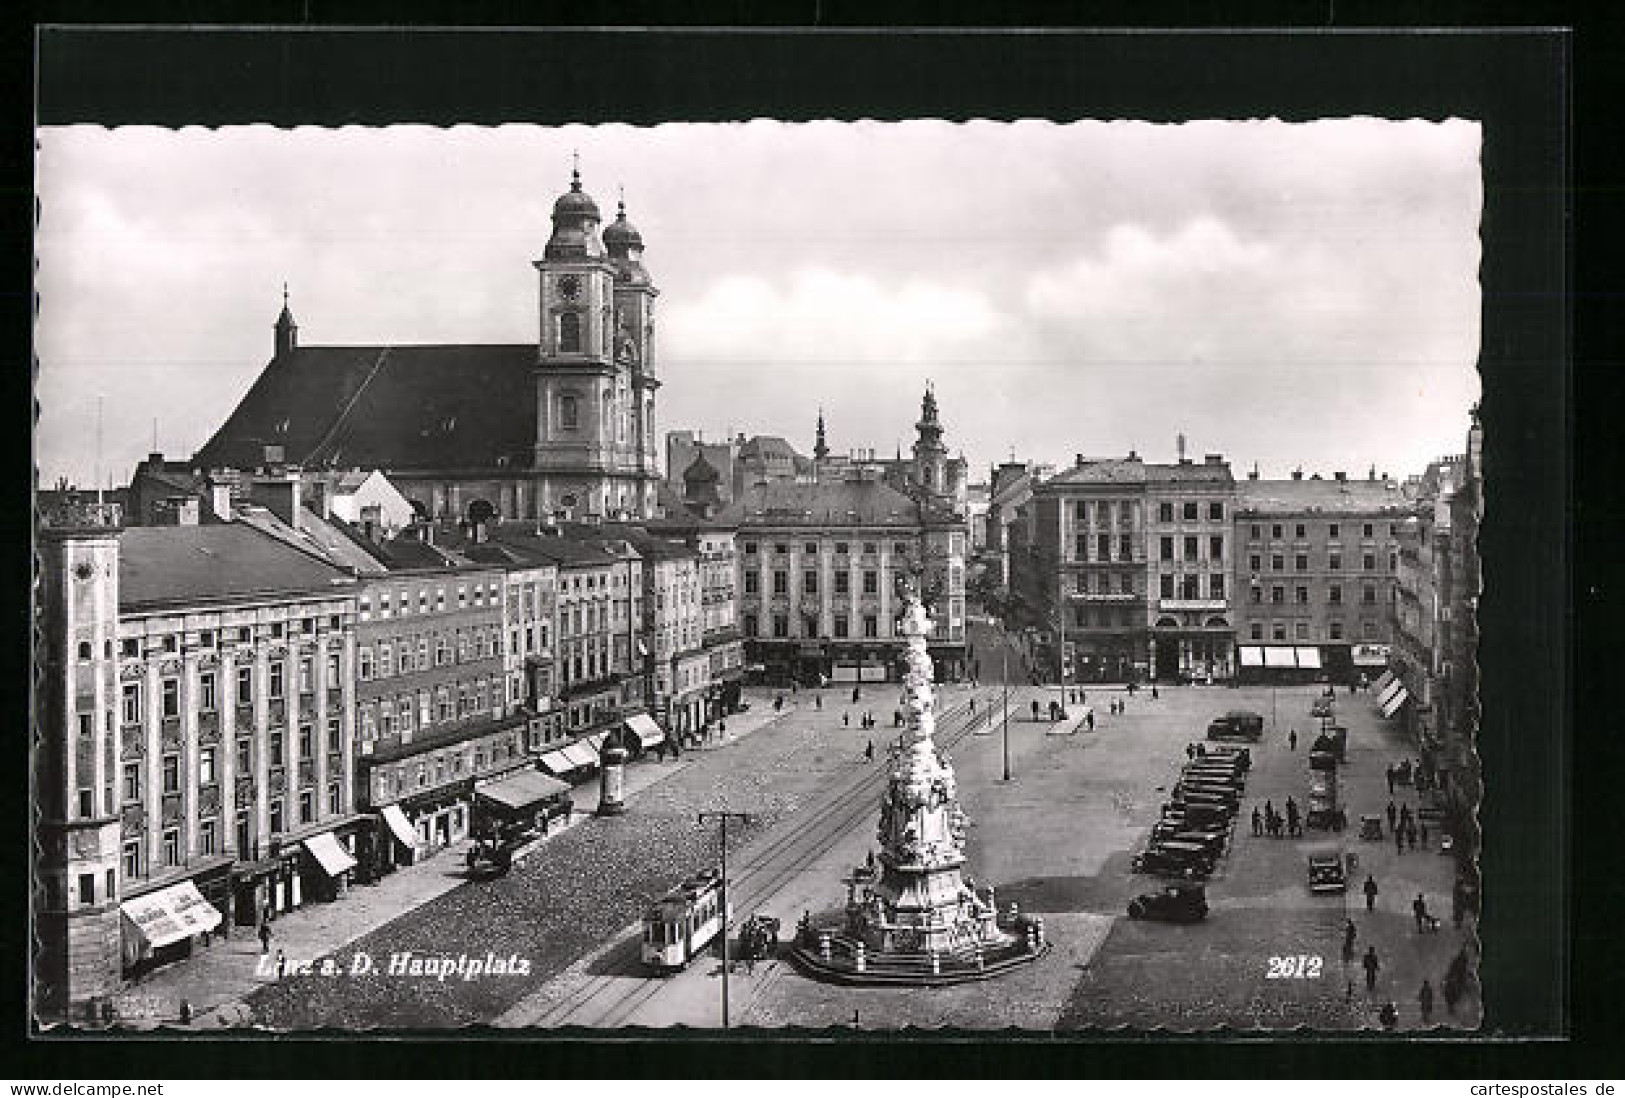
1323	811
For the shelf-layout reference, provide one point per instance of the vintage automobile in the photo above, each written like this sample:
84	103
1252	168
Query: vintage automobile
1326	873
1238	724
1197	814
1184	902
1371	827
1322	707
1212	839
1174	858
488	858
1224	752
1202	776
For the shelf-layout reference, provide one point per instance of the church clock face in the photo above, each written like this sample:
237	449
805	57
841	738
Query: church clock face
570	288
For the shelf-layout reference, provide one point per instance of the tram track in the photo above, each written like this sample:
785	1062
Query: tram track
764	866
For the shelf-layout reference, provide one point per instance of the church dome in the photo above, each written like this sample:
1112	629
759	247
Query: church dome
622	234
575	203
575	225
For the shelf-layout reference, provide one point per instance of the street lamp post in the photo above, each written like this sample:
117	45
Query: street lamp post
1004	673
723	817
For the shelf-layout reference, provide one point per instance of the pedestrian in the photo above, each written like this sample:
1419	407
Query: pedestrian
1035	709
1291	817
973	705
1410	837
778	704
1349	935
846	719
1190	751
1083	697
281	964
818	702
1370	892
1405	816
1458	902
1371	966
1419	909
1089	719
854	695
186	1013
1424	835
1388	1016
1258	822
1399	841
1424	999
869	752
1390	773
1292	740
1153	691
1393	815
265	937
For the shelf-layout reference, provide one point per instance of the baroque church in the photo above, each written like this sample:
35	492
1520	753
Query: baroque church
560	428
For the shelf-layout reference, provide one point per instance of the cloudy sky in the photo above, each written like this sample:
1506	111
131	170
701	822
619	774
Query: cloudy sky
1286	294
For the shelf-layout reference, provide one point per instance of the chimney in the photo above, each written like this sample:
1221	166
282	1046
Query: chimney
1132	456
1252	474
1213	459
1080	461
1340	476
1297	474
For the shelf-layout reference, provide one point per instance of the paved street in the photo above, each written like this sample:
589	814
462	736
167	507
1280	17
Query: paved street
1056	840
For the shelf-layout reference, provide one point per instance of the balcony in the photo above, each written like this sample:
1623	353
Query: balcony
1215	605
1107	598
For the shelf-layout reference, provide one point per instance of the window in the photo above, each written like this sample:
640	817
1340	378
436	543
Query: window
132	859
1334	594
276	748
1258	631
750	626
1366	531
1335	630
1301	562
84	650
1368	630
1277	562
1334	562
1278	630
1191	588
129	647
843	582
87	888
1166	549
1393	562
1255	532
568	412
1333	530
206	840
1301	593
1190	548
1275	530
206	767
1277	594
810	548
1301	630
1103	547
307	807
871	625
307	738
1215	585
1368	594
809	625
1125	547
781	583
132	781
245	756
1258	594
809	583
1370	562
130	703
172	847
900	549
276	678
840	626
1165	512
334	797
87	724
245	635
205	687
334	734
1081	510
569	332
752	582
781	625
1167	586
244	840
276	816
1255	563
750	548
871	583
1215	512
172	773
307	675
870	548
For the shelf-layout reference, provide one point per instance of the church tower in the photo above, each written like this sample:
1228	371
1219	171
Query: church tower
595	441
930	455
287	331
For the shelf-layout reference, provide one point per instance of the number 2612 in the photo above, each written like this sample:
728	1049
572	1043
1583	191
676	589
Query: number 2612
1300	967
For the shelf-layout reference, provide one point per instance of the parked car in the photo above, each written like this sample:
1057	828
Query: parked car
1173	858
1185	902
1322	707
1326	873
1238	724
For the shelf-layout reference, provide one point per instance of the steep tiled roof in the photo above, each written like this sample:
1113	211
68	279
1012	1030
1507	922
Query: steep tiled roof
1191	472
178	565
829	503
1299	496
767	446
1104	471
430	406
314	535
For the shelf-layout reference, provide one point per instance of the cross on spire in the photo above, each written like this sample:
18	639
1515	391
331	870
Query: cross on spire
575	169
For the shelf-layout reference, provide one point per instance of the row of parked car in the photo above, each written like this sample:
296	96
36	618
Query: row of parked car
1192	833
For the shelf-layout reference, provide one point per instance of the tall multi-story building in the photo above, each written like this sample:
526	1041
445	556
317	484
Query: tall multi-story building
574	436
1188	534
196	745
1314	572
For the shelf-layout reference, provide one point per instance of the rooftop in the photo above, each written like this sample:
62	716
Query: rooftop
828	503
1337	496
178	565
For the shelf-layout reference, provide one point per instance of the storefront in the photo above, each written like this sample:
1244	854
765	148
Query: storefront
948	661
574	762
395	840
519	805
1192	654
860	663
329	863
639	733
160	926
270	886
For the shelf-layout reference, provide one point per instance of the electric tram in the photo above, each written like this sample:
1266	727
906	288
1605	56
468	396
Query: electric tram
679	925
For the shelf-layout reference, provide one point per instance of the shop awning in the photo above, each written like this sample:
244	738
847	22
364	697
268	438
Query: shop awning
643	649
1309	658
1389	691
1279	657
1252	656
522	790
325	849
1370	655
556	762
596	741
399	825
579	754
1395	700
171	914
645	729
1382	683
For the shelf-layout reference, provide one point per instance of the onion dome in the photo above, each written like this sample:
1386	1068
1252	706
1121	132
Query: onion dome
575	224
625	246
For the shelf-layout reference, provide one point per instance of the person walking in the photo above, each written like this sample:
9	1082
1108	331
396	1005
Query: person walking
869	751
1035	709
818	702
265	937
1419	910
846	719
1388	1016
1424	828
1292	740
1410	836
1399	840
1089	719
1393	815
1370	892
973	705
1154	694
1372	965
281	964
1258	822
1424	1000
1390	774
1349	935
1291	817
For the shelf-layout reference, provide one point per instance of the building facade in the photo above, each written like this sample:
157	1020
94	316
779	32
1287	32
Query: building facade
1189	538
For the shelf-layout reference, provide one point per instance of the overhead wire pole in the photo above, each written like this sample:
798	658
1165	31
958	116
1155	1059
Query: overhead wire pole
723	816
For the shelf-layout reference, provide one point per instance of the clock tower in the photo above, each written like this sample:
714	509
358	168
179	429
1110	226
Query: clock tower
595	371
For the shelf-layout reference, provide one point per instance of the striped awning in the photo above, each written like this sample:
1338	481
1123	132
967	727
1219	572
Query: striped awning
1388	692
325	848
579	755
1383	680
645	729
171	914
556	762
1395	700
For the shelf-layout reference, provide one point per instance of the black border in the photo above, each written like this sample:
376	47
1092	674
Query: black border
1515	82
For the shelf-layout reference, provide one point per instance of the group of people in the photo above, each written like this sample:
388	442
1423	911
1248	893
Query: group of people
1453	986
1405	828
865	722
1272	823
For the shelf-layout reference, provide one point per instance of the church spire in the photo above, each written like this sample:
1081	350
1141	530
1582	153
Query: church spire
287	329
820	447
